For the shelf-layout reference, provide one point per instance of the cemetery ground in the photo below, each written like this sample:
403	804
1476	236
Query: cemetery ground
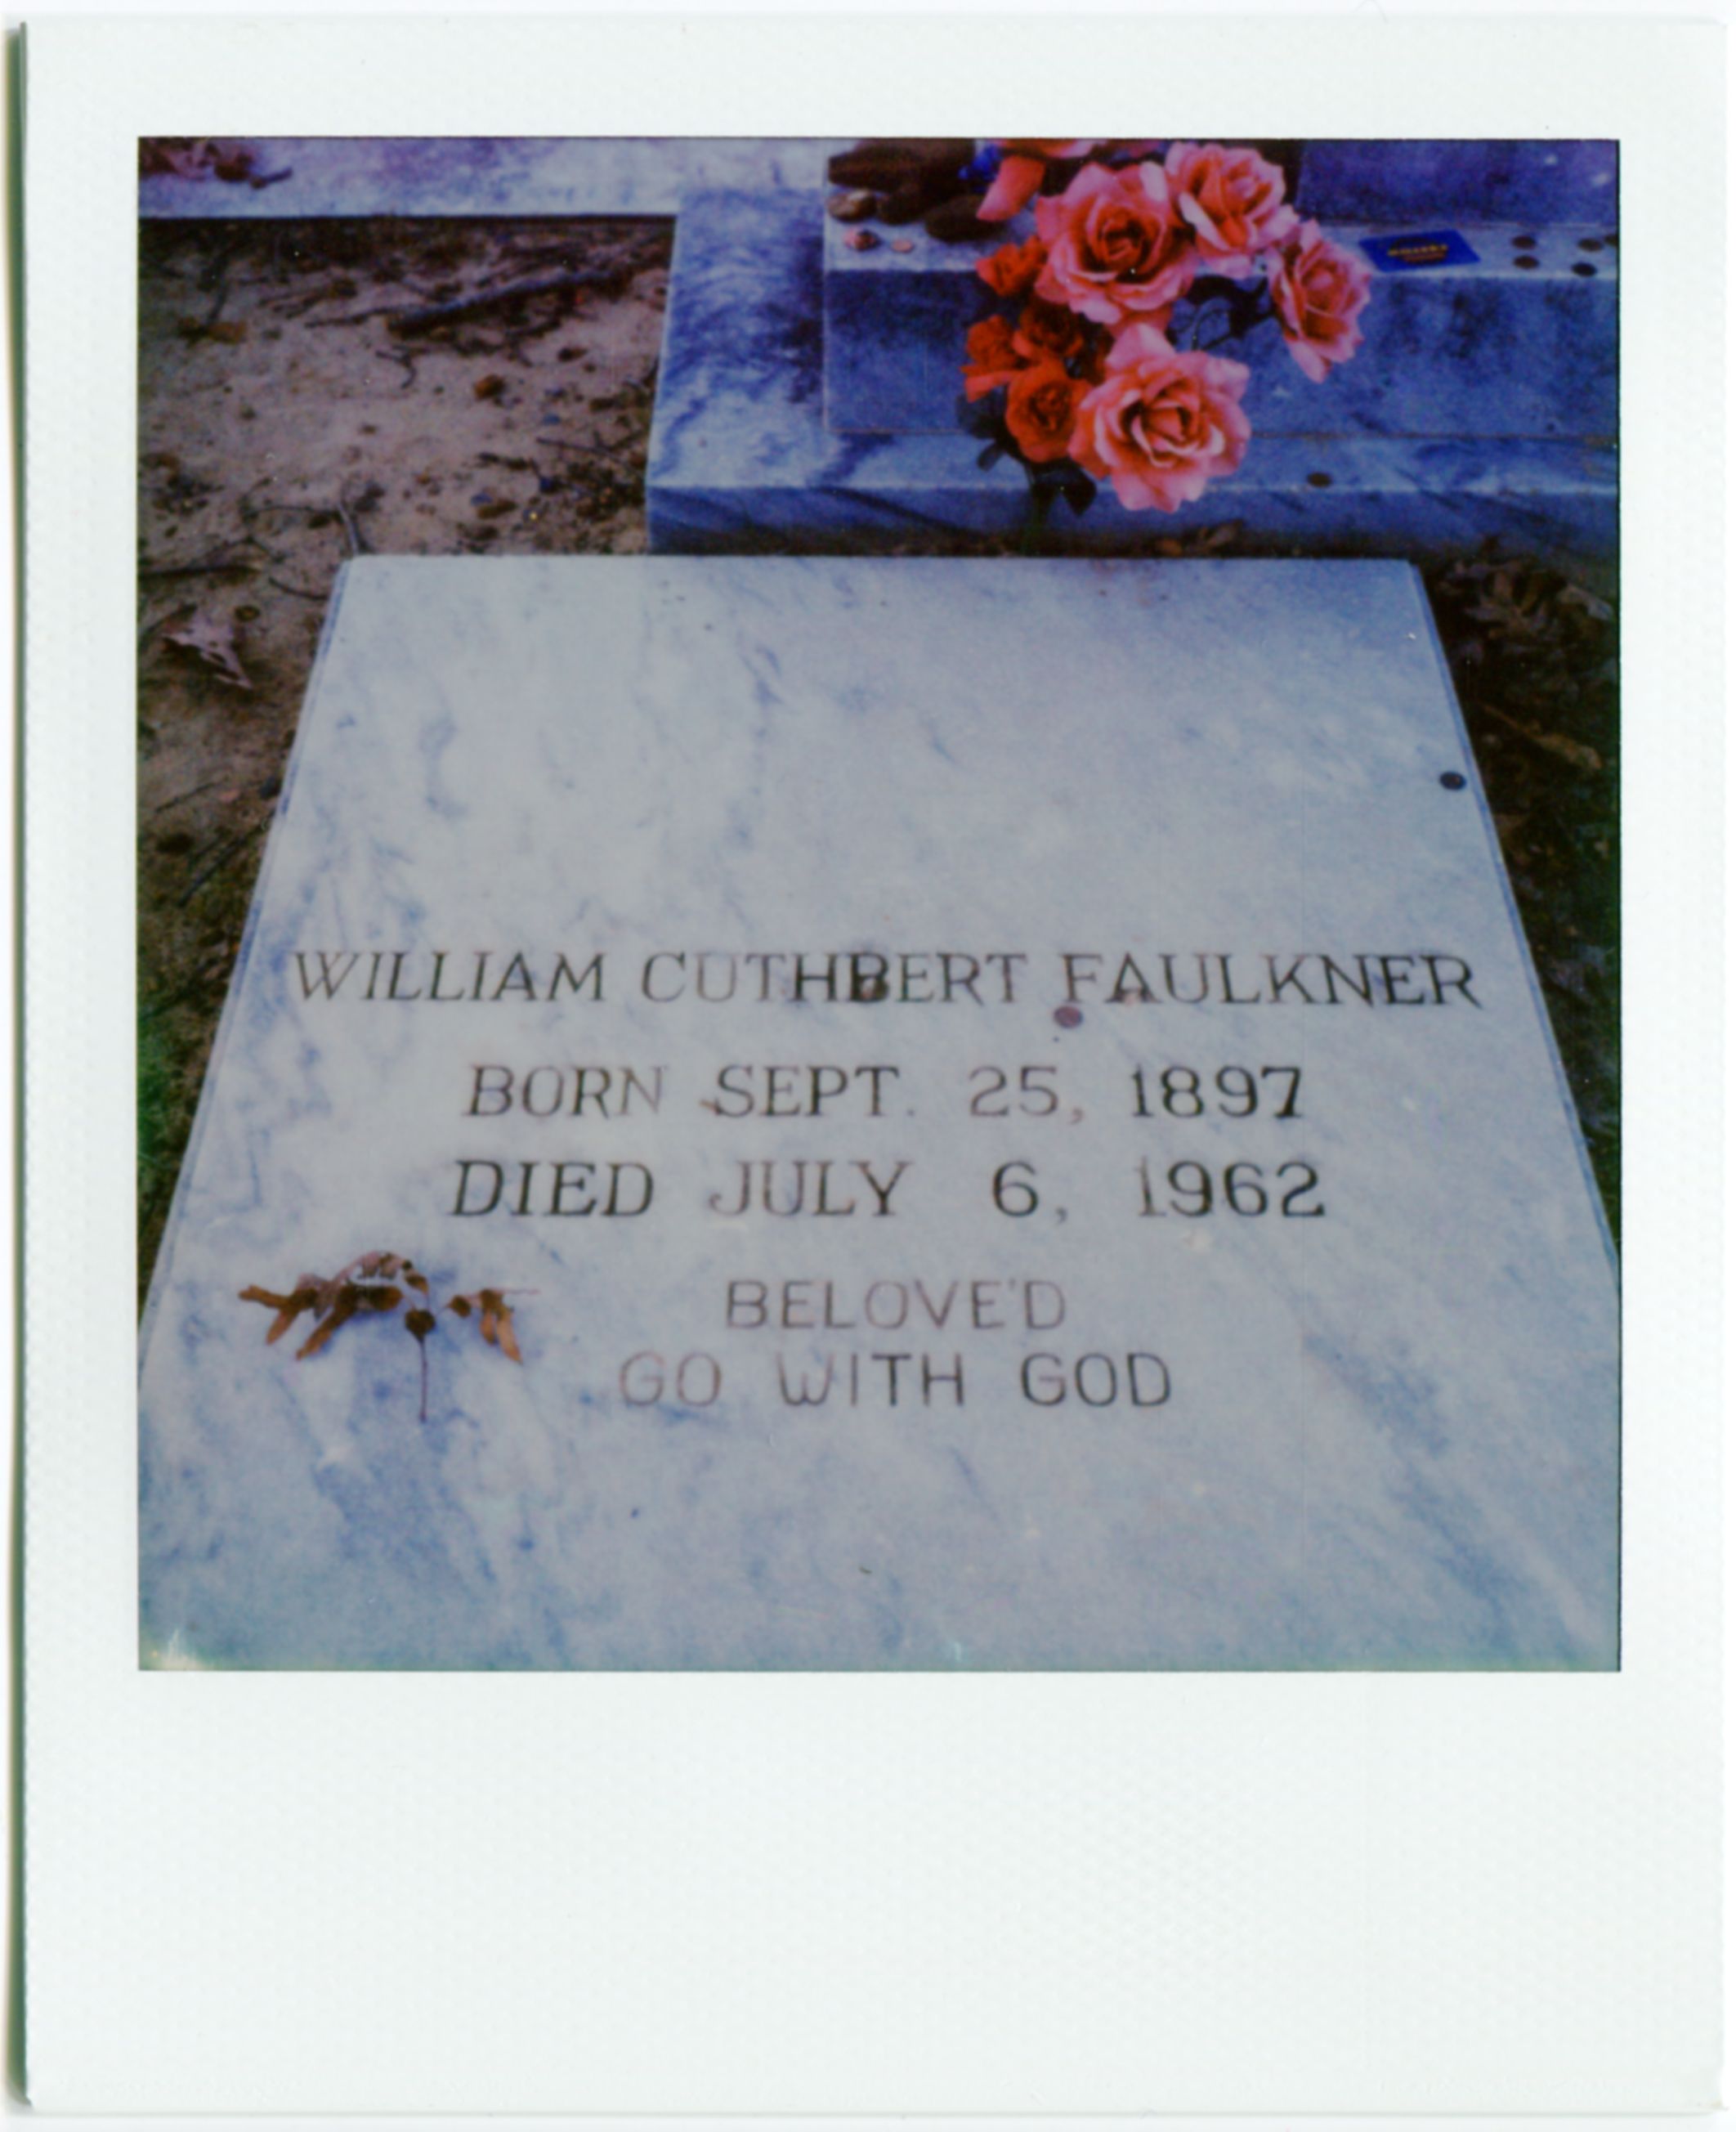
288	421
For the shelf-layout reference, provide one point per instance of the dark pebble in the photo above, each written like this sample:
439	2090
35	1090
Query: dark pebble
905	203
881	166
1591	244
1319	480
1524	243
1584	267
1526	261
956	220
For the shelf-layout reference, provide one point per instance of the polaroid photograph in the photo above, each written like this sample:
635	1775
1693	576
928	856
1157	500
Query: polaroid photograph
856	920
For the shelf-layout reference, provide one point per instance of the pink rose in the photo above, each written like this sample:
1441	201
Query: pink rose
1021	172
1117	248
1318	290
1162	424
1233	201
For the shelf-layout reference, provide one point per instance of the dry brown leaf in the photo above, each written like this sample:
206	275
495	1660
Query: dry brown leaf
213	638
289	1308
1577	596
1575	751
341	1311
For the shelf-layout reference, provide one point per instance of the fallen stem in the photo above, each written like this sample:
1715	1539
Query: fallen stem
231	851
426	317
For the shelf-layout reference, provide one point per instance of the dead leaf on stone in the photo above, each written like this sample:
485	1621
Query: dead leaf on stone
211	638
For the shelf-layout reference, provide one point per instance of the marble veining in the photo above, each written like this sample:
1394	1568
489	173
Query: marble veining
1520	342
1426	183
486	175
740	453
1384	1435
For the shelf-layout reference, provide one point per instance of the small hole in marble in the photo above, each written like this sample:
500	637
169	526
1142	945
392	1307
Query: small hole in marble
1526	261
1584	268
1523	244
1319	480
1591	244
1069	1017
1453	780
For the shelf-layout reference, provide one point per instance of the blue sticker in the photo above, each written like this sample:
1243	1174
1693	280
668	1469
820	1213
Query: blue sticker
1412	254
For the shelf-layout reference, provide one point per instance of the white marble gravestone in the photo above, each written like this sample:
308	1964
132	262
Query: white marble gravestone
1007	1099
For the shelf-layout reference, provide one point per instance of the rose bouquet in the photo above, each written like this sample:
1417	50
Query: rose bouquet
1102	364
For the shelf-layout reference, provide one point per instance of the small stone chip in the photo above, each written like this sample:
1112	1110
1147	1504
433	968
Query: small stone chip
862	240
852	206
490	387
903	244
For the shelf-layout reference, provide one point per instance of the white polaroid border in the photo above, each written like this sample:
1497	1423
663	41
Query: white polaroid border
996	1895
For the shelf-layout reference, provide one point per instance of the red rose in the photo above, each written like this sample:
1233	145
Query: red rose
1048	329
1043	403
1013	270
993	357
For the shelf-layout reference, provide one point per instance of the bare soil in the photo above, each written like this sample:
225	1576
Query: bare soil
284	424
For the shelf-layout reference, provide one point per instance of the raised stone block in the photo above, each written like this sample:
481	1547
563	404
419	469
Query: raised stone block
997	1114
741	453
1431	181
1518	341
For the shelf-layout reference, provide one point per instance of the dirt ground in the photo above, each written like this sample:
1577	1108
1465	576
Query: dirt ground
284	425
287	419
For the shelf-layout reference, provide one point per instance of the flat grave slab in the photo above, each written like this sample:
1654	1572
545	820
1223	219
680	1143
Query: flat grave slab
997	1113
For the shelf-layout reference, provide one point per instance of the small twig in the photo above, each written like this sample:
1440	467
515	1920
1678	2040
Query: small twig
358	546
206	566
230	851
406	361
191	793
1525	734
596	445
426	317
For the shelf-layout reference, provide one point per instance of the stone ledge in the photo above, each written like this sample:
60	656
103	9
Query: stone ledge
1532	348
740	456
